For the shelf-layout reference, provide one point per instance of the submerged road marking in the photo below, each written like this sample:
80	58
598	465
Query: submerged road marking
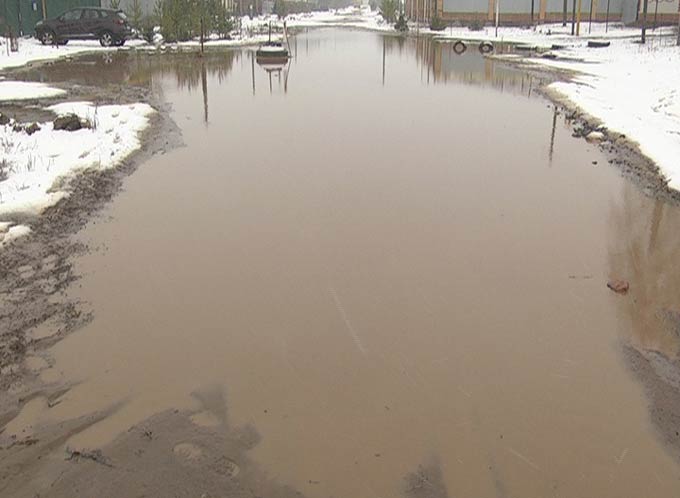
348	324
524	459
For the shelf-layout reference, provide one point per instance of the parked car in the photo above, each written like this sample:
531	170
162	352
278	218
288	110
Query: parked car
109	26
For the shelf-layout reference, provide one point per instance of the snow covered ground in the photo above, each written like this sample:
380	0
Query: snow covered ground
20	90
631	89
32	165
31	50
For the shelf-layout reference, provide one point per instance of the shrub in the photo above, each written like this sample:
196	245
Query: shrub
135	13
180	20
147	28
388	10
401	24
280	8
476	25
437	24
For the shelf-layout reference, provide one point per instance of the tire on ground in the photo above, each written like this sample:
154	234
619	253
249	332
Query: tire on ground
459	47
486	47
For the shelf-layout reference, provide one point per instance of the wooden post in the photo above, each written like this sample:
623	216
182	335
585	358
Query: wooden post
202	34
678	23
573	17
498	15
644	22
606	19
578	18
565	7
44	9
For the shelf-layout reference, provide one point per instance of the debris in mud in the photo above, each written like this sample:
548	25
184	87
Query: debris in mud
4	119
95	455
426	482
68	122
595	137
29	441
618	286
32	128
28	129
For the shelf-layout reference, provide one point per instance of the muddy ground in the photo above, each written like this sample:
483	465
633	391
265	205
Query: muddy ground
175	453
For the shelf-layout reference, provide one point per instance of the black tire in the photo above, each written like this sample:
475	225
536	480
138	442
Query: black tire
47	37
486	47
459	47
119	43
106	39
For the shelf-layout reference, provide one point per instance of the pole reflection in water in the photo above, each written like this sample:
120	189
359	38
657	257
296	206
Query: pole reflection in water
275	70
438	63
552	136
204	88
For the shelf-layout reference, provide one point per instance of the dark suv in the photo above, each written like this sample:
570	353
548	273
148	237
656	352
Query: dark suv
108	26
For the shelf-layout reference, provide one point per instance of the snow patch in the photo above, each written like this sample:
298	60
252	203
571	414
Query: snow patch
26	90
631	89
34	165
13	233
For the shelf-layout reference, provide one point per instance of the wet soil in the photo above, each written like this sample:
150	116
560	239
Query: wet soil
390	387
36	269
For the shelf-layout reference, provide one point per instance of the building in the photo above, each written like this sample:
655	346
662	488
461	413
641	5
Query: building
522	12
20	16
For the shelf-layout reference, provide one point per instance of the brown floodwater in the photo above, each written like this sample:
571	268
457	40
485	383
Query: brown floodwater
384	255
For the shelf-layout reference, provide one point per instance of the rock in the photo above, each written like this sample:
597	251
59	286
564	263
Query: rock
618	286
68	122
4	119
595	137
32	128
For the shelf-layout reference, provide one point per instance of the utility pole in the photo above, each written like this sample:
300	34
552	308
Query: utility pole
679	24
644	22
578	18
656	13
532	11
573	17
498	15
564	13
606	19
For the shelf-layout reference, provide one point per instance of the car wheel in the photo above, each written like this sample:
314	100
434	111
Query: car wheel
120	43
47	37
106	39
62	42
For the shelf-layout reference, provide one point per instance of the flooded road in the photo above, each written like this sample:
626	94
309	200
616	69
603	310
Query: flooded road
387	260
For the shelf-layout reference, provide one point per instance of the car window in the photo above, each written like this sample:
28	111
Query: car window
71	15
104	13
121	14
90	14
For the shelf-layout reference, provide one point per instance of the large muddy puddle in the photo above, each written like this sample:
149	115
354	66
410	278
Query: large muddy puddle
388	259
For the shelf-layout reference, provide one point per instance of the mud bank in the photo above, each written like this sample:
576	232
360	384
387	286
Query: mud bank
657	371
622	151
35	269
